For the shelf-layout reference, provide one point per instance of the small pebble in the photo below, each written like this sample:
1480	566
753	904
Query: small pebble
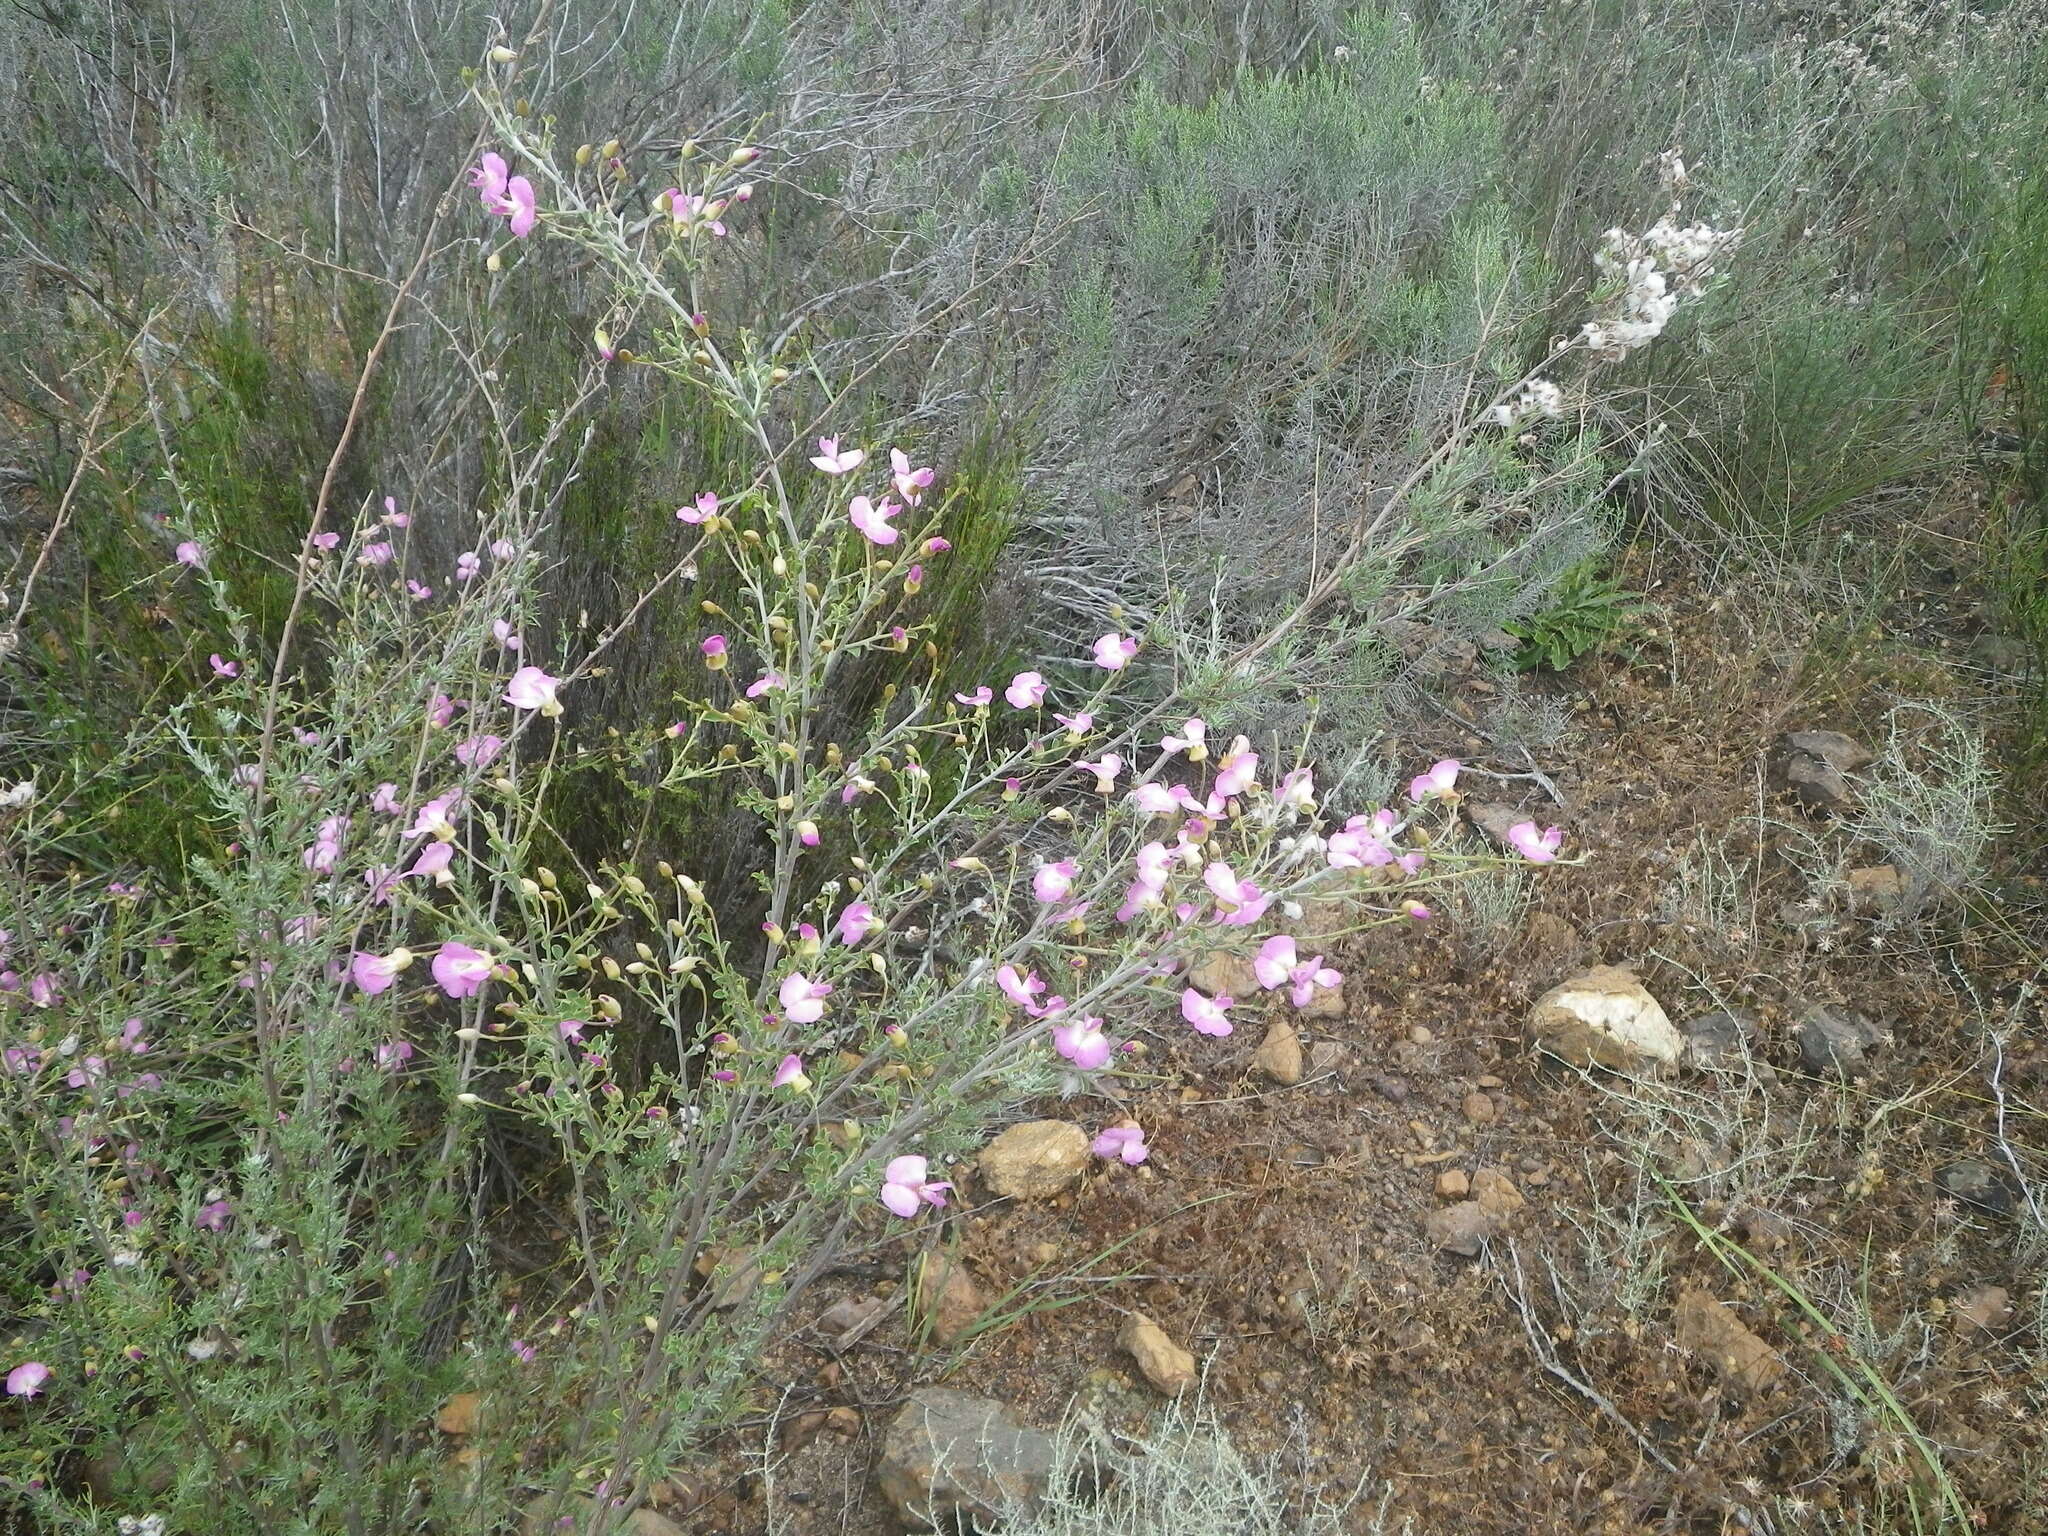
1452	1184
1479	1109
1419	1035
1392	1089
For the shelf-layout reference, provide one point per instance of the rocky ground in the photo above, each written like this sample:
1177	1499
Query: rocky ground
1750	1248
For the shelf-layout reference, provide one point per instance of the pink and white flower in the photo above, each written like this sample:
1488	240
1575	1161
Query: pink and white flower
855	923
1105	770
1113	652
833	462
1208	1016
911	484
375	973
1536	847
1442	779
531	688
790	1074
802	999
906	1185
1026	691
1019	989
874	521
1234	775
1053	882
1126	1142
461	971
28	1379
1083	1043
1192	738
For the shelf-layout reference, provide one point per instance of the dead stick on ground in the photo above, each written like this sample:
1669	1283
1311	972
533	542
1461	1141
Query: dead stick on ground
1546	1356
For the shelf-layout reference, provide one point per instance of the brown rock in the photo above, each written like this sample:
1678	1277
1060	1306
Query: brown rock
735	1274
944	1298
803	1429
1279	1054
1495	1190
949	1455
555	1514
1479	1109
1709	1328
1169	1368
1546	930
1879	888
1605	1018
1036	1160
1987	1309
1843	753
1462	1228
1452	1184
844	1422
1494	820
458	1415
847	1320
1224	971
1817	785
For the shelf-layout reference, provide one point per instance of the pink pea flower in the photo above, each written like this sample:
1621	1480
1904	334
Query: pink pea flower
1083	1043
1417	912
489	176
829	459
375	553
1275	962
435	818
1234	775
705	508
189	553
691	212
467	564
1053	882
767	682
1441	779
873	521
393	516
1241	902
905	1186
131	1038
1412	861
1363	842
1078	725
213	1216
911	484
856	786
326	540
502	632
532	688
807	834
1208	1016
1122	1141
791	1074
518	207
1113	652
913	580
432	864
479	751
321	857
441	711
976	699
937	546
1536	847
1297	791
43	991
1306	977
715	652
461	971
1105	772
1193	739
803	1000
384	799
393	1054
418	591
1026	691
1164	799
382	880
224	668
30	1377
503	549
1018	989
855	923
526	1352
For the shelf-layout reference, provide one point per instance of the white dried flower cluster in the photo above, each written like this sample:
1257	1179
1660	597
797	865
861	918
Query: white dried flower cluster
143	1525
15	796
1664	266
1538	397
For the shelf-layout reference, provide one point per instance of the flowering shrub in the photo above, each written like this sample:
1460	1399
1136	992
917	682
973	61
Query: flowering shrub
272	1134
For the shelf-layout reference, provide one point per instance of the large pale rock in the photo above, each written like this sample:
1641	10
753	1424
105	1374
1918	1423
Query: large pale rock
949	1455
1168	1367
1605	1018
1838	750
1035	1160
